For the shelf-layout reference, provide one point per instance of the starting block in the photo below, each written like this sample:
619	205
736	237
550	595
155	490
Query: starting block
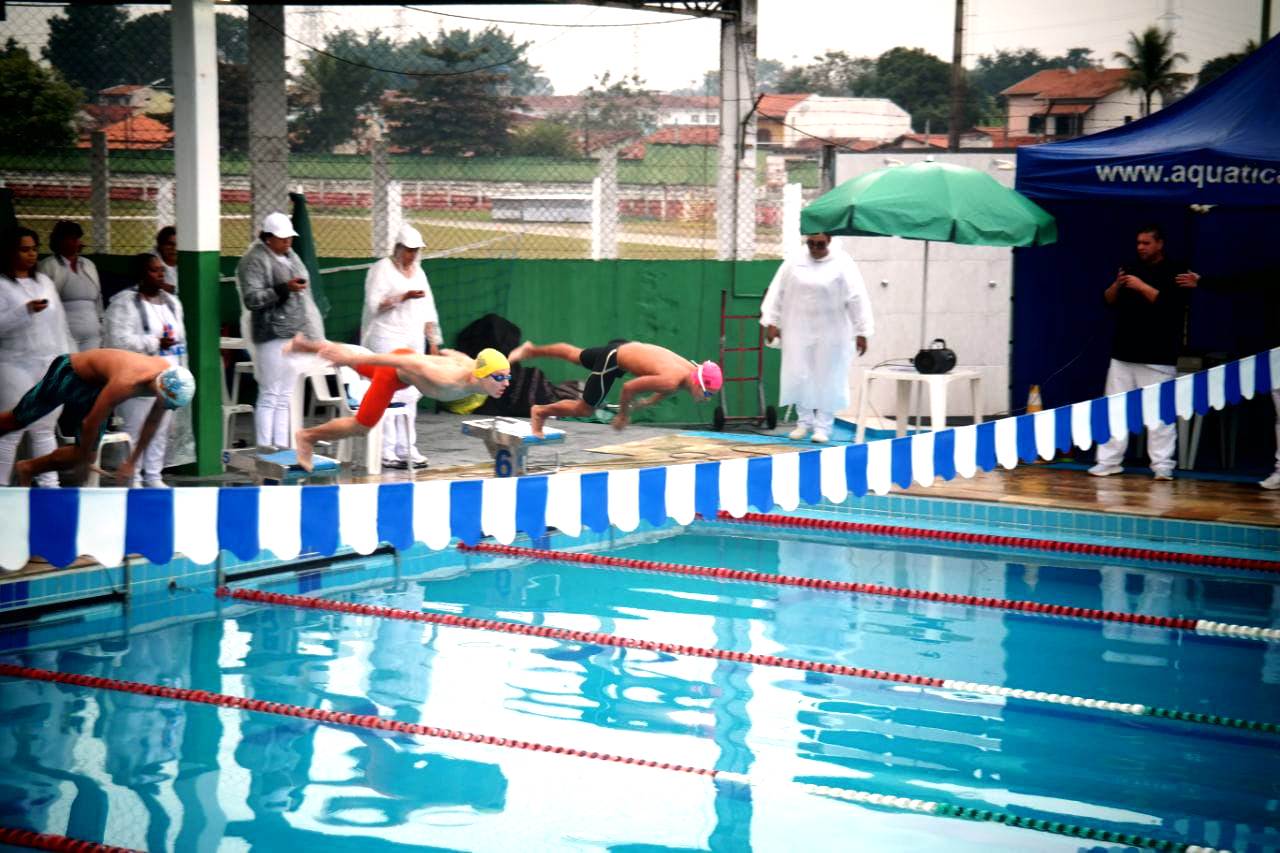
281	467
509	441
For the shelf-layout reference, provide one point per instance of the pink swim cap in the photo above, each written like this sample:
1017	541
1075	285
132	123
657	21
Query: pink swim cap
708	376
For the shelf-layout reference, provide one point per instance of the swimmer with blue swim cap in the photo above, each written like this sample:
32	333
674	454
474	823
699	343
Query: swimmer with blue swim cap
658	372
88	385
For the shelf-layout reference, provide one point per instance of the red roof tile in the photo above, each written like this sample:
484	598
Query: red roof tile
1058	83
685	134
777	106
141	132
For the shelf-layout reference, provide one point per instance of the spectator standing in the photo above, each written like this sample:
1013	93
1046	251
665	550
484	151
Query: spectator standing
1150	305
400	313
76	280
147	319
167	251
33	332
275	291
818	306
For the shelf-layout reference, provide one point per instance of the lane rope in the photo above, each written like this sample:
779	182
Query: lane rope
376	723
988	539
596	638
1200	626
47	841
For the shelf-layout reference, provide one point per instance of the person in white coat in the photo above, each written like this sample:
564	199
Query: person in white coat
817	306
276	295
76	280
147	319
400	313
33	332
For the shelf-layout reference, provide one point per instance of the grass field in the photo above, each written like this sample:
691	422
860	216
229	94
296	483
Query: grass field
671	165
346	232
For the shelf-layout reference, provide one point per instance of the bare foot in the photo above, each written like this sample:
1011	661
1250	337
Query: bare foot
520	352
304	447
25	475
536	420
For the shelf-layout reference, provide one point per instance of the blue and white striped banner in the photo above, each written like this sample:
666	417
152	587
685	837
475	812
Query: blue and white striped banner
107	523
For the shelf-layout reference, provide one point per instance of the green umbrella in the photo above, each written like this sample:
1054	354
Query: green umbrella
930	201
305	247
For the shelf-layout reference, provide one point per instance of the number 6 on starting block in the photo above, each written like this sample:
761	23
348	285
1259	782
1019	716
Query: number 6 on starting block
502	463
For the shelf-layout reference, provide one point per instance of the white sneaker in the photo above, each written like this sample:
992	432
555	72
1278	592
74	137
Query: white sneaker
1272	482
416	459
1101	470
1162	475
800	433
820	437
155	483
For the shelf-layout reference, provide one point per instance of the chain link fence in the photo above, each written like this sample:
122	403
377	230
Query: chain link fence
616	172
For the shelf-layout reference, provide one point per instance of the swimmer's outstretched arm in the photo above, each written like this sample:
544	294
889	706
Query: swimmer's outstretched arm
340	354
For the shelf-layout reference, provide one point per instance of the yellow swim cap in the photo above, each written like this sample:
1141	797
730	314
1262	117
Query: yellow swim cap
490	361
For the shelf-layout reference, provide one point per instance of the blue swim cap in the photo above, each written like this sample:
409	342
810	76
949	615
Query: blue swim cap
177	386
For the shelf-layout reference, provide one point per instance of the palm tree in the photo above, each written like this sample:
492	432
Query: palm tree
1150	62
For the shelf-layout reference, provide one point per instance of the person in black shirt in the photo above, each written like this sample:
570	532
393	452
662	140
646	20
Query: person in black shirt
1149	297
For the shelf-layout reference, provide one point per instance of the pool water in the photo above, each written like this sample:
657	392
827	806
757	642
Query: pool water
168	774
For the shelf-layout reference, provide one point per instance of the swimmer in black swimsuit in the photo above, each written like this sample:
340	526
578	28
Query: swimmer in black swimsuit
658	372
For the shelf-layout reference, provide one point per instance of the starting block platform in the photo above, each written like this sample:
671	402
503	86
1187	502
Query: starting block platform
281	467
509	441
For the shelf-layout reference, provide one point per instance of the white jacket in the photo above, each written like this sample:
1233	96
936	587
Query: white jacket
383	328
137	324
84	310
820	307
28	342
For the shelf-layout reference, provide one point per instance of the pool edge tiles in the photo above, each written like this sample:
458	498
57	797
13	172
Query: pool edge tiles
1059	525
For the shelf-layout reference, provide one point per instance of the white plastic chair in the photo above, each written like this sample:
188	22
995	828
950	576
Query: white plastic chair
93	479
231	408
373	440
324	399
239	369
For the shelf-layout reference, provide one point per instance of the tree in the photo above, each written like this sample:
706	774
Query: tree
38	105
833	73
543	139
455	110
83	46
768	73
920	83
1150	62
616	110
330	94
1219	65
233	106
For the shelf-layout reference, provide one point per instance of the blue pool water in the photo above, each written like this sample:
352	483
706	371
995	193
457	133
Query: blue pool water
162	774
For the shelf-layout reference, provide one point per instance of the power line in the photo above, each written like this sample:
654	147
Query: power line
543	24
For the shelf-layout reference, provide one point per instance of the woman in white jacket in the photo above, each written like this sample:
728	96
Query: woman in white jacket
33	332
818	305
76	280
400	313
147	319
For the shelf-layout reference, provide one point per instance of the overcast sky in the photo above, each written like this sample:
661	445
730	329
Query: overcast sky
674	54
670	52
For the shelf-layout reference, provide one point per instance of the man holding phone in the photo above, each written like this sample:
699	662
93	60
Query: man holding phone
1149	297
276	294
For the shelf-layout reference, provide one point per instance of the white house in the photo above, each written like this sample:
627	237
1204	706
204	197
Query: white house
1059	103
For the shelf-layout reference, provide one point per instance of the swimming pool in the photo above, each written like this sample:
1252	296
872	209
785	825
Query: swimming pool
800	718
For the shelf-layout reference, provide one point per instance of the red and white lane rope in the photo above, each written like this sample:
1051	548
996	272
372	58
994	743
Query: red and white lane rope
376	723
988	539
1200	626
46	841
379	611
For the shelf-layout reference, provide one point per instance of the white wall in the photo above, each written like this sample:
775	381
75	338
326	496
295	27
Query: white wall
863	118
1110	111
964	308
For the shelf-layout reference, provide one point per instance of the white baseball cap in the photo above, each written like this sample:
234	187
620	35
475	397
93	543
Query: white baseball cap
278	225
409	237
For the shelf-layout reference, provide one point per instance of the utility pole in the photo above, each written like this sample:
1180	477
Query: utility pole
957	81
1266	22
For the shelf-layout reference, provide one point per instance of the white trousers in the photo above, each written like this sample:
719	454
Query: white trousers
815	419
1275	400
134	412
1162	440
400	435
277	377
42	443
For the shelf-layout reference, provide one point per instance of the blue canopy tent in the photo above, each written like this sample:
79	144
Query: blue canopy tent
1207	171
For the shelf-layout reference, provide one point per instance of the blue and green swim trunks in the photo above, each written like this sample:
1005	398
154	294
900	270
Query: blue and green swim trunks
60	386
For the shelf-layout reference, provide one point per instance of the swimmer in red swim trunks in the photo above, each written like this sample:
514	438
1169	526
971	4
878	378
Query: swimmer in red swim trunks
451	375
